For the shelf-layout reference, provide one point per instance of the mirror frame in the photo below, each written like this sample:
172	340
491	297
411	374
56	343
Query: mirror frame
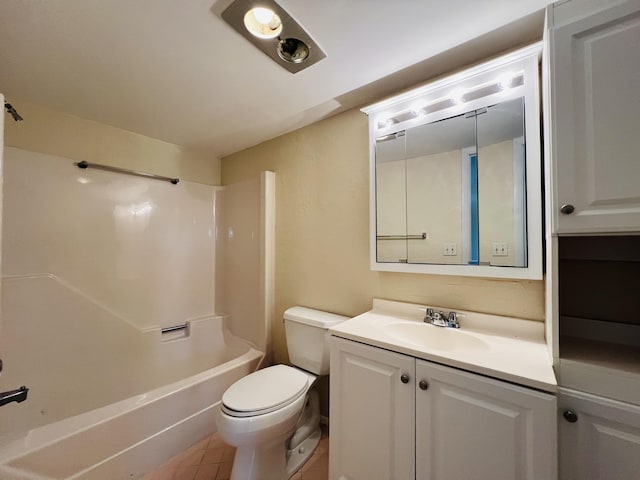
482	85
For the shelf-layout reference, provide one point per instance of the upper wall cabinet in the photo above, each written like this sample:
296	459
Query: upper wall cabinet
455	174
594	67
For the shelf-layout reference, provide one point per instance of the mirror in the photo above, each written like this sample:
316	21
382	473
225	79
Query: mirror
452	191
457	190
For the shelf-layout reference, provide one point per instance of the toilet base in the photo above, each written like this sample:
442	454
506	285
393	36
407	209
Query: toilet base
297	457
281	457
266	463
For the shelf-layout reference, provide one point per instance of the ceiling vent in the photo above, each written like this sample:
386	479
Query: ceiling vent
271	29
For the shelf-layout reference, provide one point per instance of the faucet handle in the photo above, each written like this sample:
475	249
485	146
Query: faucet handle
452	320
428	313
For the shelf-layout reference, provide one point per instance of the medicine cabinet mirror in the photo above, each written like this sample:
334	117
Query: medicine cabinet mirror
455	174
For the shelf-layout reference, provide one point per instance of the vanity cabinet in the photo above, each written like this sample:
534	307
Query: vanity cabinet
470	426
599	438
397	417
594	123
372	413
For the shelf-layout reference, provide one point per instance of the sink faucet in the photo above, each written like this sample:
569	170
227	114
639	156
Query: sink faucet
439	320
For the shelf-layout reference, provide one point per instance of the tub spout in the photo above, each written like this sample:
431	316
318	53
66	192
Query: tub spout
19	395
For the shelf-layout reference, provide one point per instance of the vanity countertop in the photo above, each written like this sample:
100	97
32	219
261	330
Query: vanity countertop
506	348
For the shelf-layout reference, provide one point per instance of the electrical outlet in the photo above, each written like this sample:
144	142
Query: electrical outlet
500	250
449	249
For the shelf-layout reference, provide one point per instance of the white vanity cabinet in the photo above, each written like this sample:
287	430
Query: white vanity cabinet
372	419
470	426
599	438
433	423
594	66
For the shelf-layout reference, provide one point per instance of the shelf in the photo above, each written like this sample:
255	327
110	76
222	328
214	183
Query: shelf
602	354
607	369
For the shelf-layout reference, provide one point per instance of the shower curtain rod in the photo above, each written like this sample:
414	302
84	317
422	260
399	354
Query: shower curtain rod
108	168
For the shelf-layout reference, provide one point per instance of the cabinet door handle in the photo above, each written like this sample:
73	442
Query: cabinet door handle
570	416
423	385
567	209
404	378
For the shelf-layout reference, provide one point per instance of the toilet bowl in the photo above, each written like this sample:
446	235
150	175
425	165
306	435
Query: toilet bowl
272	416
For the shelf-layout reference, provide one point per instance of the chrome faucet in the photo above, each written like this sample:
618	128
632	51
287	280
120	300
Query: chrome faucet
439	320
452	321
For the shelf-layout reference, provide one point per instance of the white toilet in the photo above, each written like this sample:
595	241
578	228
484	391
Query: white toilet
271	416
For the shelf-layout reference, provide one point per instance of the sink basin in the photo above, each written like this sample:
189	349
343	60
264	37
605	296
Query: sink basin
434	338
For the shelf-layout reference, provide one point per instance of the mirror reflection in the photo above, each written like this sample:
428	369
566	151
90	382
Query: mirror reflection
453	191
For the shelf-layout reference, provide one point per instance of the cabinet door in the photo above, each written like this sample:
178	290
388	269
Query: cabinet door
372	413
595	104
473	427
602	440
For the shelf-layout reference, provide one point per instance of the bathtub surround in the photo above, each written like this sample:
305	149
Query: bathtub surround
322	256
140	248
96	265
244	252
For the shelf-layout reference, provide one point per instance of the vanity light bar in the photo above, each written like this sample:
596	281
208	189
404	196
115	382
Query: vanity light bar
457	97
391	136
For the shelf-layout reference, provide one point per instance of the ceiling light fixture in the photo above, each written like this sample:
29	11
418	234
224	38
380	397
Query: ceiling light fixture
271	29
263	23
293	50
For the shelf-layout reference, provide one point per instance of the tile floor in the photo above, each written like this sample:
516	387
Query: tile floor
211	459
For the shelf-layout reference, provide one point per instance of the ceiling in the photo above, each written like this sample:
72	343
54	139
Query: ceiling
174	71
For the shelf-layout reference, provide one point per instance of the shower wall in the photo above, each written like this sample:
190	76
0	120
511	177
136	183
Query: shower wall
94	264
140	248
245	250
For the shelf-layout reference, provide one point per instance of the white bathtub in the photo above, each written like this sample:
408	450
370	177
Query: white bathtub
106	400
130	437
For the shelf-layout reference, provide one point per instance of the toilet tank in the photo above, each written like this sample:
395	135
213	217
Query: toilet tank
307	332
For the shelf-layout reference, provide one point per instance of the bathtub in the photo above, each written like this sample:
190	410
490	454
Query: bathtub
108	415
126	439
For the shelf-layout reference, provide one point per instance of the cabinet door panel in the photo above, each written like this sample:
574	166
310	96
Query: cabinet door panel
596	121
468	426
603	443
372	413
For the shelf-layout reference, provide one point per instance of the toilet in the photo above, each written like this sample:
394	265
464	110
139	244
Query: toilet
272	416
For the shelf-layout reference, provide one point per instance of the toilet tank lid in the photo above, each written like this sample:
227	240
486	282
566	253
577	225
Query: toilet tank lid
316	318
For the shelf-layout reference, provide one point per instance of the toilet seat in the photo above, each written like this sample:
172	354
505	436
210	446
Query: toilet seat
264	391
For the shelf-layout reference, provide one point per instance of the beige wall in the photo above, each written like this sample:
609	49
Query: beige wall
48	131
322	232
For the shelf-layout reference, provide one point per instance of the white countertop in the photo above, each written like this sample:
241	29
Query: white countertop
510	349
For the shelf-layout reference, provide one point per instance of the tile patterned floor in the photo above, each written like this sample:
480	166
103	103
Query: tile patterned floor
211	459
